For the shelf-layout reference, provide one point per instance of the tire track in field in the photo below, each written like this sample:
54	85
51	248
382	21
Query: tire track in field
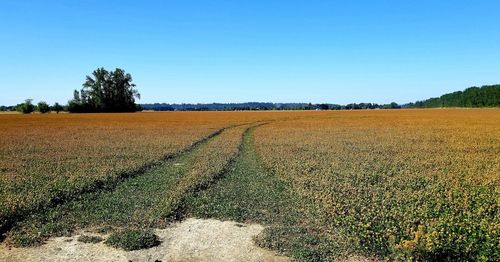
178	211
140	186
249	193
105	184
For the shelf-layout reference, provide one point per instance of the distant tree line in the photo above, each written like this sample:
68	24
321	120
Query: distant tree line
485	96
264	106
114	91
216	106
28	107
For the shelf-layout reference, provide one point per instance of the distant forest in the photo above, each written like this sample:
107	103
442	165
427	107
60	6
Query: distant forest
263	106
219	106
485	96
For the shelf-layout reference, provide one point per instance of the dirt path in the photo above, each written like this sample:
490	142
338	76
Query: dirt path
191	240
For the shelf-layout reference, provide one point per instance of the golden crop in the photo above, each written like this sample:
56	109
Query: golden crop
400	183
410	183
45	157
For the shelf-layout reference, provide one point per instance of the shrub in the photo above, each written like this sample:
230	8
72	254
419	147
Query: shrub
133	239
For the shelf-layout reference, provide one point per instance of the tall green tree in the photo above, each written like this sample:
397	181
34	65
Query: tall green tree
106	91
43	107
57	107
26	107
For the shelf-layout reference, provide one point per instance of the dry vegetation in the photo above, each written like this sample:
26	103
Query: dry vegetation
391	183
45	158
150	199
408	183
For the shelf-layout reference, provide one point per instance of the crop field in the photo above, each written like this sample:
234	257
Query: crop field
382	184
422	184
46	158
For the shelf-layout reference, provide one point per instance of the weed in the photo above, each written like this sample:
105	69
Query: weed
133	239
90	239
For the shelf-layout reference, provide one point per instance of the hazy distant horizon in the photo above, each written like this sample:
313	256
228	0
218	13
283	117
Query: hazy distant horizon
235	52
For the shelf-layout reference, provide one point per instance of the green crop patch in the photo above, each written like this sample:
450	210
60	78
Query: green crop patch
133	239
248	193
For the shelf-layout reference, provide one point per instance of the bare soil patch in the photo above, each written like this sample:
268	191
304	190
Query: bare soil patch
190	240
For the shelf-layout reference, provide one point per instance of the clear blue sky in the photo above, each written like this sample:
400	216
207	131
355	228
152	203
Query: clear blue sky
238	51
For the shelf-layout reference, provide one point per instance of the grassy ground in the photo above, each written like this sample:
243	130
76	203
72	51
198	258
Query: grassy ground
145	201
247	193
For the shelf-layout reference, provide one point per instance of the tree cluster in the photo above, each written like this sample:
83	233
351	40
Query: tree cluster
105	91
28	107
485	96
